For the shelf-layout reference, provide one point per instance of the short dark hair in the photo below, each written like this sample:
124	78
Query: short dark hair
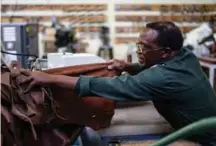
169	35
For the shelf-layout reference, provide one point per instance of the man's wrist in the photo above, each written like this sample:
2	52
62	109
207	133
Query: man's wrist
64	81
53	79
134	68
128	67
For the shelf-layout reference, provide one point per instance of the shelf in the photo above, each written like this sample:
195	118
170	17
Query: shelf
184	29
69	7
51	13
80	19
123	40
79	29
176	18
126	20
165	8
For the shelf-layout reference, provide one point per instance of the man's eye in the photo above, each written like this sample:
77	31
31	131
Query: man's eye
146	46
140	46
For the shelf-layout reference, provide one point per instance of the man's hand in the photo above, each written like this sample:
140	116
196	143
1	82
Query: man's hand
14	64
118	65
121	66
35	78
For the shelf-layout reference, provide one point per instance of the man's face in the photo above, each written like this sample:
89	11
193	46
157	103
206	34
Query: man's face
148	52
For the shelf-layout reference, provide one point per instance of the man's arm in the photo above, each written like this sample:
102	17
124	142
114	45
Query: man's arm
122	66
65	81
134	68
146	85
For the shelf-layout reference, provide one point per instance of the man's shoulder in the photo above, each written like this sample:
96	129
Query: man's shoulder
153	75
182	75
153	70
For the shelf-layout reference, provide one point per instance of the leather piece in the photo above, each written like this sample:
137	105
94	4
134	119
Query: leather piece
210	60
51	116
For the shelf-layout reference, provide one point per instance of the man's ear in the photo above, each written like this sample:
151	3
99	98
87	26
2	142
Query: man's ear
166	53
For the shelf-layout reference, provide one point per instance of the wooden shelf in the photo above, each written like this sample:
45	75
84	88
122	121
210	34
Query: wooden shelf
136	7
119	30
118	7
77	29
129	29
74	7
184	29
138	14
176	18
122	40
165	8
128	17
88	29
79	19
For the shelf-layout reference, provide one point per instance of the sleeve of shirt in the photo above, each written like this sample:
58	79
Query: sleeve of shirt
143	86
137	67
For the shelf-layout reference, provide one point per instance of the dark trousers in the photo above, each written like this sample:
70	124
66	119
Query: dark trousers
89	137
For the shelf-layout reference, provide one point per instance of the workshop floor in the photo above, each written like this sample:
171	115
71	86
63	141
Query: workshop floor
148	143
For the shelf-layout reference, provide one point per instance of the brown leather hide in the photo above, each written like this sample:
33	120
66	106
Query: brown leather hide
210	60
51	116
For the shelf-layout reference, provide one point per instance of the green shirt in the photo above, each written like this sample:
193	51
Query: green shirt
178	88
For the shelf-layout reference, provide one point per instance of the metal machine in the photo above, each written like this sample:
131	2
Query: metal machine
19	41
55	60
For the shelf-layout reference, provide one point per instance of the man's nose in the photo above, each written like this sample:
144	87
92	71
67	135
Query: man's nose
139	52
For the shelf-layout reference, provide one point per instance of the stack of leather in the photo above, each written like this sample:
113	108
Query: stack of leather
50	116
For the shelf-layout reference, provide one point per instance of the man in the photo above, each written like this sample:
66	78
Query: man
167	74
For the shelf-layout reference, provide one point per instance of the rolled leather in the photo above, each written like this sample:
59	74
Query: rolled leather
51	116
